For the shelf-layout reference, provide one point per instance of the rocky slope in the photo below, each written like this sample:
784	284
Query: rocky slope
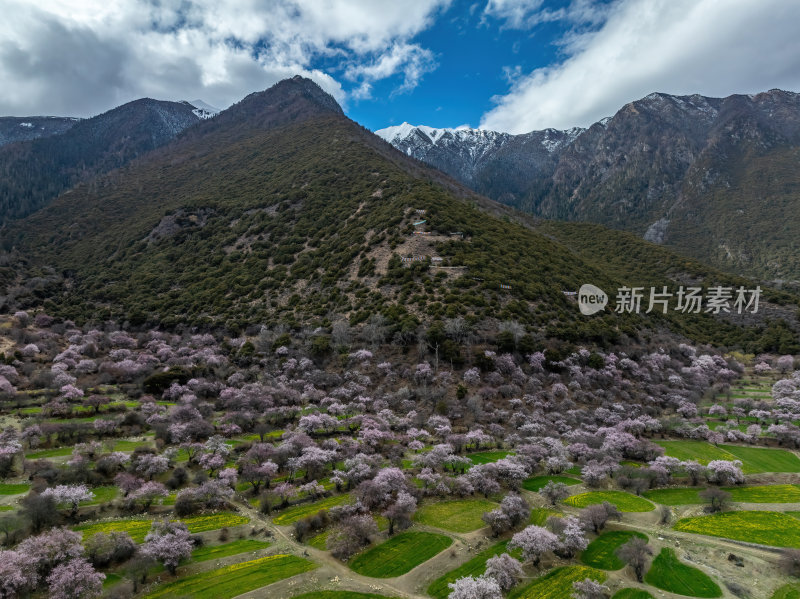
14	128
280	209
715	178
34	172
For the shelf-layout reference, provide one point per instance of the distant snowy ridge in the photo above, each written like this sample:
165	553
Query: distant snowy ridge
410	137
405	131
203	110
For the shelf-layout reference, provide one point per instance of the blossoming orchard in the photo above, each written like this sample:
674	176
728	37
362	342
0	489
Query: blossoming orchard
153	463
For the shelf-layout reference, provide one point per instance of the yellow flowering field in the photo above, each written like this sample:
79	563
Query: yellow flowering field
625	502
766	528
207	522
235	579
139	527
556	584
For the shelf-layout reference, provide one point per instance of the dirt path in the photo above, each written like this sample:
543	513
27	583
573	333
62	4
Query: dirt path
331	575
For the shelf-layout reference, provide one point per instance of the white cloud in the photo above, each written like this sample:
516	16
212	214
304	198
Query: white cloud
712	47
80	57
410	59
516	14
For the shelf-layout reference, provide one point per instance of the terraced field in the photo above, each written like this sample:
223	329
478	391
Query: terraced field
536	483
474	567
625	502
338	595
460	515
400	554
754	459
204	554
556	584
752	494
601	553
787	591
235	579
486	457
14	489
138	528
298	512
668	573
766	528
631	593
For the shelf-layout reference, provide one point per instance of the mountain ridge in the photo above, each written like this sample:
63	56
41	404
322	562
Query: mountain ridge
34	172
287	211
652	169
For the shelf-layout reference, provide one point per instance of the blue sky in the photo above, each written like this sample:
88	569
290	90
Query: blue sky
507	65
475	56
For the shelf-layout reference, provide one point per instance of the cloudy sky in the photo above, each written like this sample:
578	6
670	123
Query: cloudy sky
510	65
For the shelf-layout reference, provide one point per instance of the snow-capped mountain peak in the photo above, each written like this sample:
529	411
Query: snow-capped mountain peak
203	110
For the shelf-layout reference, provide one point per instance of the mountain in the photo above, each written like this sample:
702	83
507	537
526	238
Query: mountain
15	128
713	178
34	172
477	156
203	110
281	209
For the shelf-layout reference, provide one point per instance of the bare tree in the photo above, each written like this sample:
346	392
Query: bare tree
635	553
789	562
554	492
374	332
716	497
512	326
340	333
597	515
457	329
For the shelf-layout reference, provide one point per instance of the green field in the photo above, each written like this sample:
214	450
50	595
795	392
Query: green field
125	445
787	591
204	523
14	489
556	584
759	459
112	578
298	512
460	515
338	595
694	450
601	553
485	457
102	495
539	515
753	494
138	528
539	482
625	502
319	541
399	554
754	459
668	573
766	528
474	567
766	494
236	579
204	554
675	496
632	594
58	452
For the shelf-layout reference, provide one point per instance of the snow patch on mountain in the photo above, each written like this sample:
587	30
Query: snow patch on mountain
203	110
